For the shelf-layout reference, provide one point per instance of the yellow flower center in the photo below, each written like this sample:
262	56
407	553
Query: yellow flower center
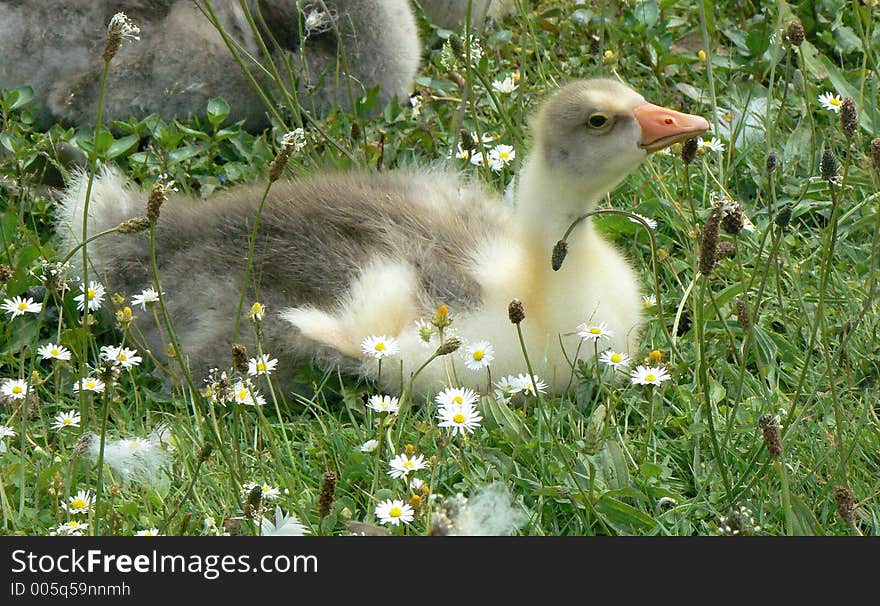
504	155
650	377
17	389
122	357
595	330
148	533
458	418
67	421
90	384
22	306
54	351
458	399
267	489
616	358
381	346
478	355
77	504
261	366
90	294
242	394
73	524
395	512
835	101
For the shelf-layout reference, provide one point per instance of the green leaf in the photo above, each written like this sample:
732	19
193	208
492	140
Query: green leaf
614	467
20	97
647	13
122	146
622	517
218	111
804	522
505	419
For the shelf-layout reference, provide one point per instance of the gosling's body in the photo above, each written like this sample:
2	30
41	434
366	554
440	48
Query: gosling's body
341	257
181	61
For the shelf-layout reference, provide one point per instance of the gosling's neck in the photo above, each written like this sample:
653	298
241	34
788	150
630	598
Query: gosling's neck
549	201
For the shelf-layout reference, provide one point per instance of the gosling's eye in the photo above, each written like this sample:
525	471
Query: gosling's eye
597	120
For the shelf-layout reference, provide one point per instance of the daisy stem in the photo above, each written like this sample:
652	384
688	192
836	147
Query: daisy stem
82	342
588	502
650	430
250	260
99	489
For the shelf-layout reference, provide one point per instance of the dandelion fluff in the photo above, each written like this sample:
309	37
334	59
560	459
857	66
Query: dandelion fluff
139	460
489	512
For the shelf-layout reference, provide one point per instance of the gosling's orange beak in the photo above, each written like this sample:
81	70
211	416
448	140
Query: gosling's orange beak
661	127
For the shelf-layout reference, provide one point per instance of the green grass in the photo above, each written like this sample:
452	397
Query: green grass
611	459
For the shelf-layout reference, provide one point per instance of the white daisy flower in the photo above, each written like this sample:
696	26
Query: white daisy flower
66	419
369	446
387	404
394	512
416	484
147	297
714	144
427	334
18	306
594	332
261	365
72	528
478	159
507	387
50	351
500	156
15	389
89	384
506	86
479	355
380	347
269	492
531	385
284	526
462	418
455	395
614	359
831	102
244	393
94	294
6	432
401	465
121	356
649	301
81	502
649	375
148	532
652	224
460	153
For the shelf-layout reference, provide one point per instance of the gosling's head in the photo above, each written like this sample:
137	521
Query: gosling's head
596	132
